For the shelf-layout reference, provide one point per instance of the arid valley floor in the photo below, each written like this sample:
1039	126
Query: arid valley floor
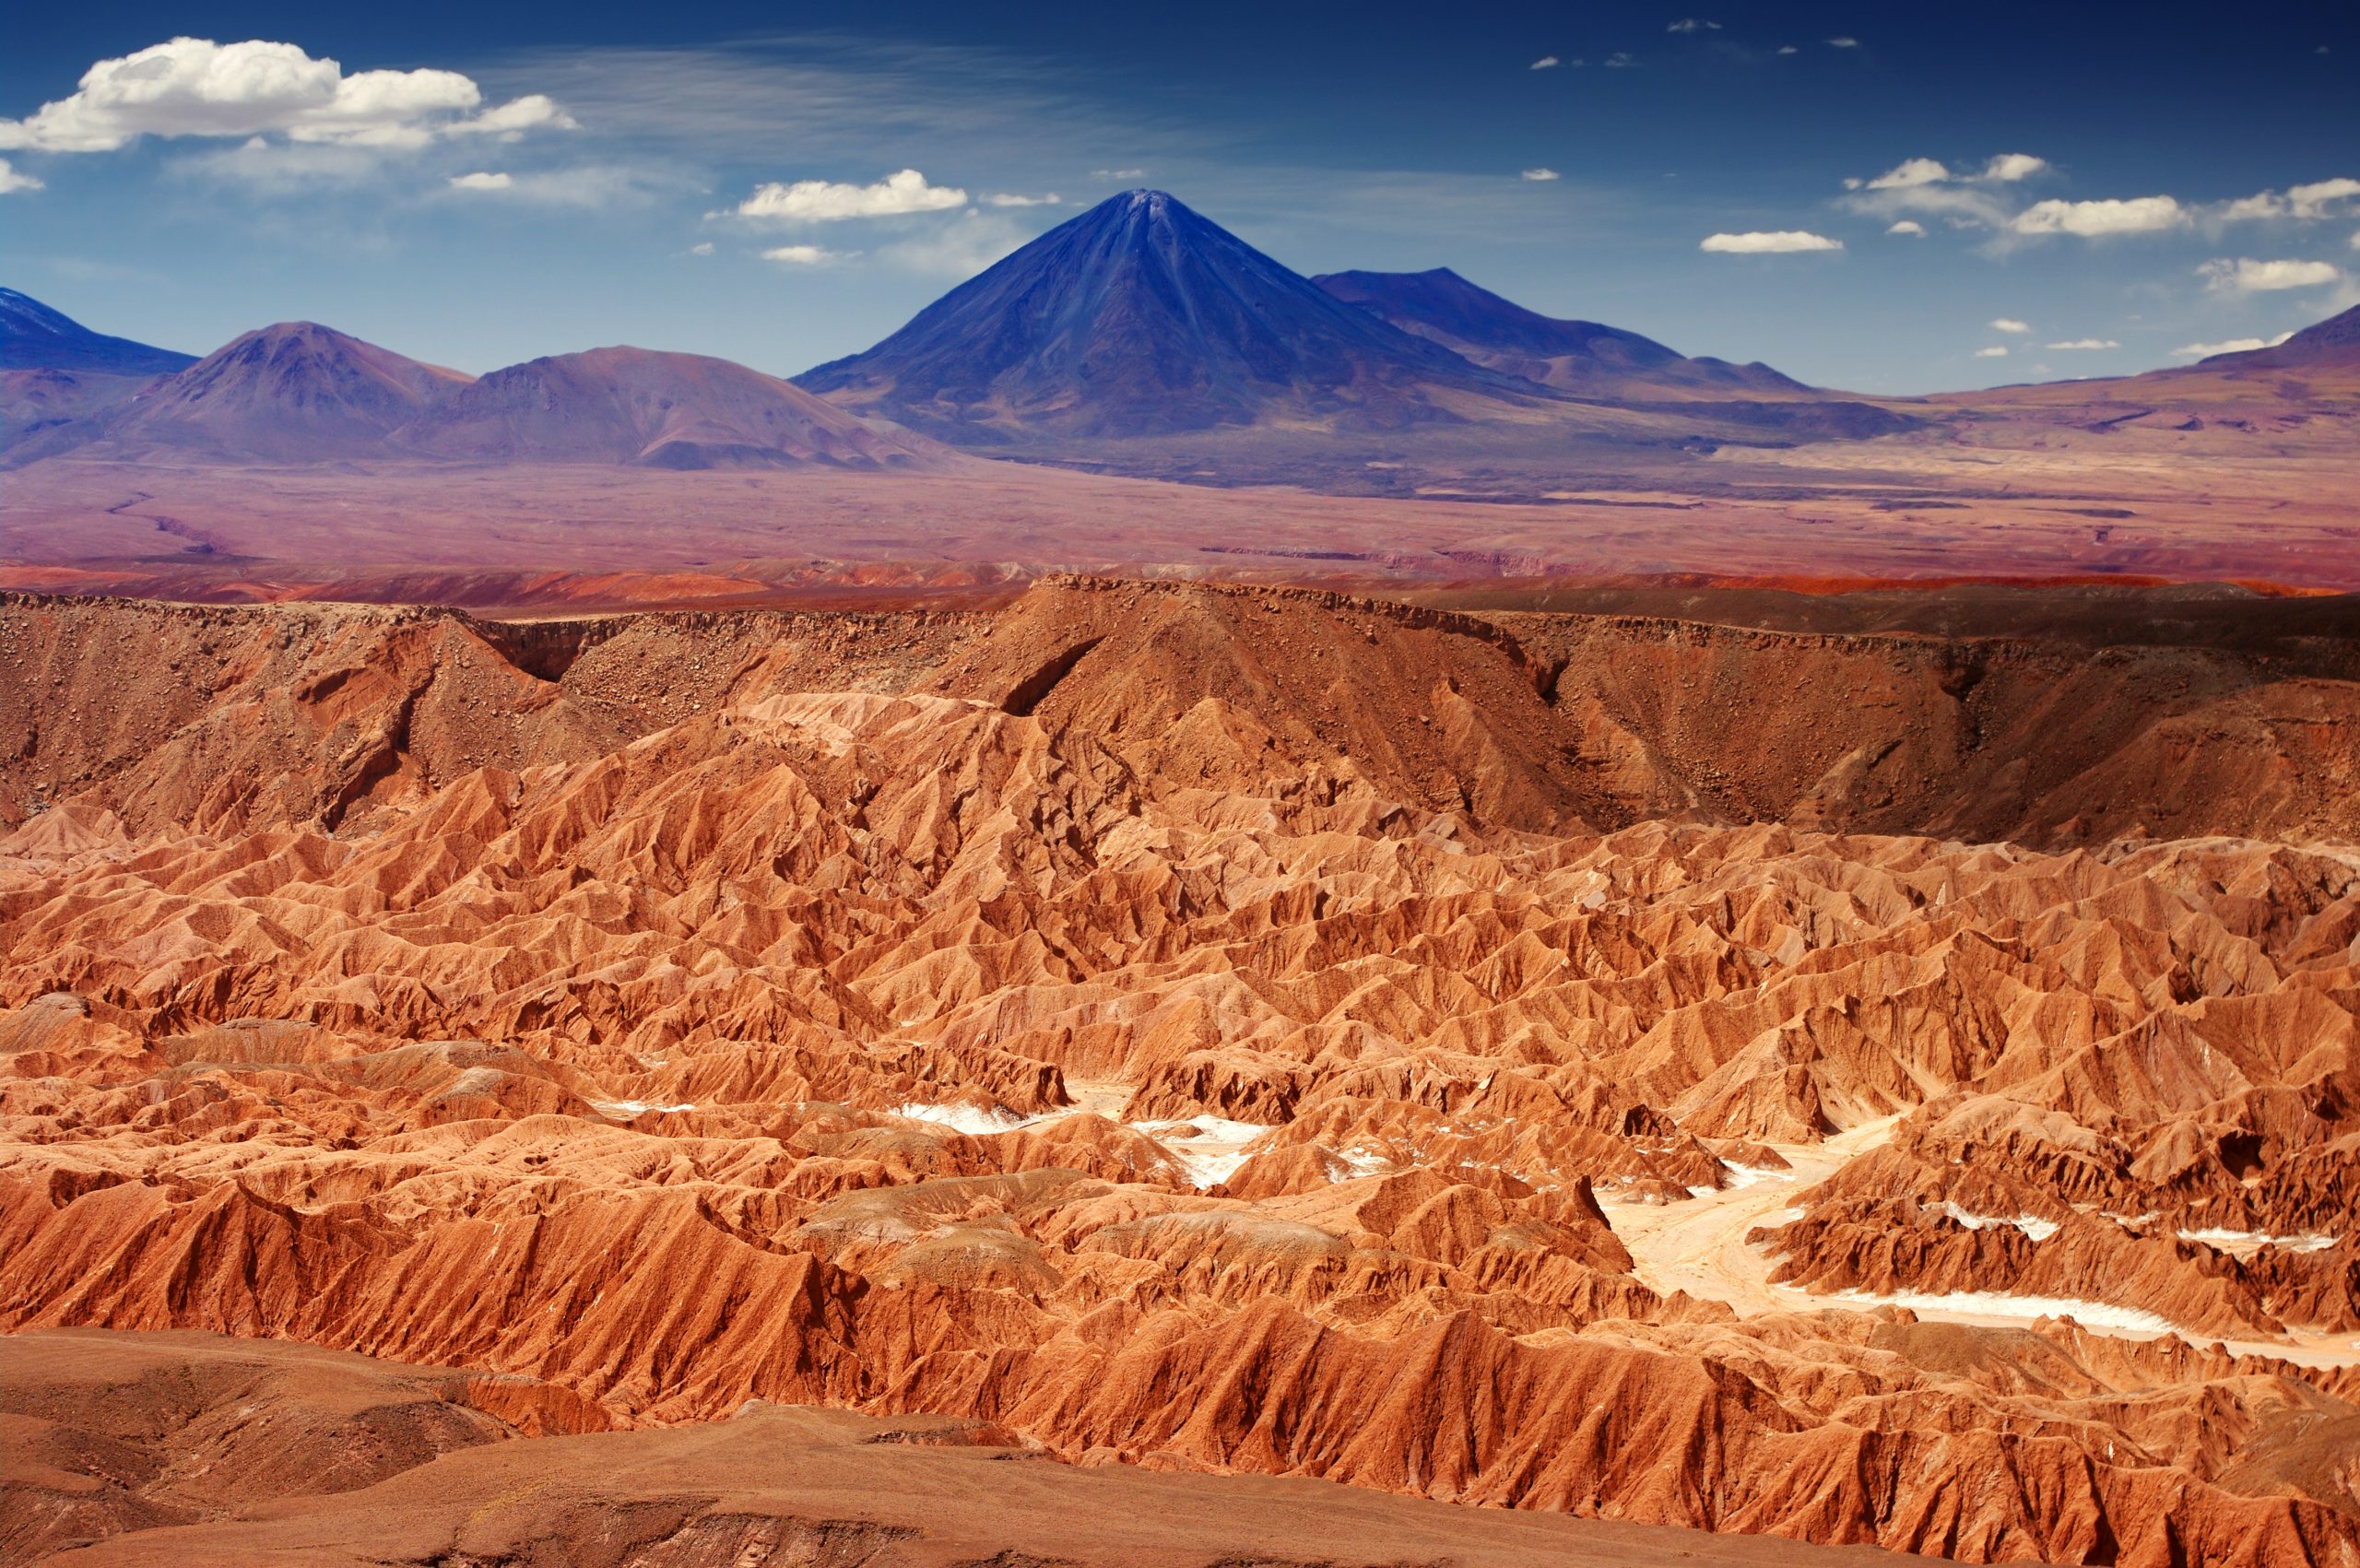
1071	1077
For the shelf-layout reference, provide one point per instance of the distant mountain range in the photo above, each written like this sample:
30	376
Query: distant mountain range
301	393
1138	337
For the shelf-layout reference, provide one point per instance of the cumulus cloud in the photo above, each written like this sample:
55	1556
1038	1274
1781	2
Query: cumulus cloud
2234	346
2305	204
1768	242
12	180
823	201
481	182
1908	226
1547	63
2010	167
2097	219
2321	198
2078	344
1997	351
193	87
1010	198
1543	173
2247	275
805	256
2007	324
1909	172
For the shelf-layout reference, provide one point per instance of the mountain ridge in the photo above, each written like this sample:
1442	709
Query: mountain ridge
1569	355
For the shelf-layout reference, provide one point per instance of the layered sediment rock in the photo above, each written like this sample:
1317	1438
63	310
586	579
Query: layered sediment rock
1207	1029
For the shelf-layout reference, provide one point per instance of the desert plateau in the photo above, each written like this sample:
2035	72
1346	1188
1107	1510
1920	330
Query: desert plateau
720	855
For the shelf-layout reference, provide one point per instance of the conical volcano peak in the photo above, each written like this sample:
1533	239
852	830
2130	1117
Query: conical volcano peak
1143	317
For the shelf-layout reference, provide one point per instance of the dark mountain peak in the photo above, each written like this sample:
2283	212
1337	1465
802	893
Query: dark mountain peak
1142	317
35	337
1576	356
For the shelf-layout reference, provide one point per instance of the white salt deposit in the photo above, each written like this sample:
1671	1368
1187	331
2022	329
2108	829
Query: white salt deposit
1993	1304
629	1108
2037	1229
1747	1175
2309	1240
974	1120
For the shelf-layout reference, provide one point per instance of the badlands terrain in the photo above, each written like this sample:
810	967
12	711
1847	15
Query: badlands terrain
1069	1075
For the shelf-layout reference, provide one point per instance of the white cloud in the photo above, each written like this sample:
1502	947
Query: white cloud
2247	275
2007	324
1759	242
12	182
1908	226
1789	49
1620	61
2234	346
958	249
2010	167
1539	174
1117	173
2320	198
701	248
1910	173
1997	351
193	87
1010	198
2355	234
2315	199
510	121
1846	43
1690	23
822	201
2080	344
805	256
589	185
1547	63
2094	219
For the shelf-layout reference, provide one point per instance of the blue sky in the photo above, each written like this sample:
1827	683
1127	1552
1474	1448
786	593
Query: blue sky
2100	189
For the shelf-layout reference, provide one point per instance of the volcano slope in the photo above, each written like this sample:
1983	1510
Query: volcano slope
1214	1030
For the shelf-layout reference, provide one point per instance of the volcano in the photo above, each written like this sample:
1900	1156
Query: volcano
1582	357
294	392
35	337
1142	318
657	410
